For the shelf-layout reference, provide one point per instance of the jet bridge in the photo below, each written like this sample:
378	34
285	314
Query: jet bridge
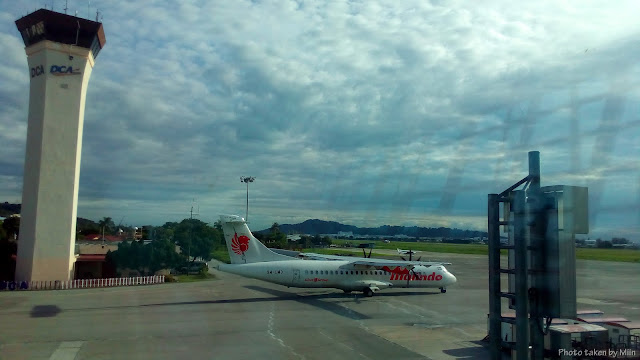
541	224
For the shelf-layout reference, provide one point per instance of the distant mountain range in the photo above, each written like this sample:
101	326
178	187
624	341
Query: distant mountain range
315	226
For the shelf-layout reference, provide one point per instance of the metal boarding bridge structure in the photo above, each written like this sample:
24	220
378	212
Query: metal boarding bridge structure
541	223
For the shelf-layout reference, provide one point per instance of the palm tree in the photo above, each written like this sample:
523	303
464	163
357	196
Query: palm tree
106	224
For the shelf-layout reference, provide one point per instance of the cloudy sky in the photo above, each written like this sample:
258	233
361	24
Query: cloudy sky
363	112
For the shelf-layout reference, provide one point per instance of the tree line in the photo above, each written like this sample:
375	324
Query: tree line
173	245
606	244
278	240
194	239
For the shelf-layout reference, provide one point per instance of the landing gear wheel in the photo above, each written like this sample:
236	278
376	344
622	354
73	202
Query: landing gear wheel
443	290
347	291
367	292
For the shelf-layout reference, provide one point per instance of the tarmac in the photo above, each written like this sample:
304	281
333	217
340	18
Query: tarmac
238	318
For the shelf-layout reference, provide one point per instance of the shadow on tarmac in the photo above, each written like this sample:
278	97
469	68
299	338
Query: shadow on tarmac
312	299
316	300
471	353
40	311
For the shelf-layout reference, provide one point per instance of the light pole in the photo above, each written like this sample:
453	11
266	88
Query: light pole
247	180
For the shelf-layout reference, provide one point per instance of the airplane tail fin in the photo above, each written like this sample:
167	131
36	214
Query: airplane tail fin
243	247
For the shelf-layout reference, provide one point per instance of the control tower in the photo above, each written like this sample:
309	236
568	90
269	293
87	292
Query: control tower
61	51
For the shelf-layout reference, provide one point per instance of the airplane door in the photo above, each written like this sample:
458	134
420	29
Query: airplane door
296	276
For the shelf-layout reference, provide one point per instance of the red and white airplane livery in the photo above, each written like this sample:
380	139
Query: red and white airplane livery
250	258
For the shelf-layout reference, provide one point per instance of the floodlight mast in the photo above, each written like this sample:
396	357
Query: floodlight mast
247	180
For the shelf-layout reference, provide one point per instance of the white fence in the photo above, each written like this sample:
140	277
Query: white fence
80	284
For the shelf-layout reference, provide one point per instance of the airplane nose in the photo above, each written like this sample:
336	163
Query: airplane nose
452	278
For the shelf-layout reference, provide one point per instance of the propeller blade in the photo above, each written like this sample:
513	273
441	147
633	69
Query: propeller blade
419	258
370	253
414	274
364	254
403	259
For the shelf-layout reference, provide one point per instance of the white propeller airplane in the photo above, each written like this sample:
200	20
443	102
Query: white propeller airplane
250	258
407	252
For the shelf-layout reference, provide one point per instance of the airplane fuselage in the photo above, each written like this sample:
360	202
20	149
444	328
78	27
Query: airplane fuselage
341	275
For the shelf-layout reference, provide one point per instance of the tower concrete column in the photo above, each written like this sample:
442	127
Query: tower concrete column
61	51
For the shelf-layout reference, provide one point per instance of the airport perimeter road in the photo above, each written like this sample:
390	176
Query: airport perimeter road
238	318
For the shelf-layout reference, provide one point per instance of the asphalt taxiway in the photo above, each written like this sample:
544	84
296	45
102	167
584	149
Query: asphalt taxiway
237	318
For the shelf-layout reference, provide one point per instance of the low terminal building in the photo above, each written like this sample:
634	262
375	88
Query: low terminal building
625	334
91	261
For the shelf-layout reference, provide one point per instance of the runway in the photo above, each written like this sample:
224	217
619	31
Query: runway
237	318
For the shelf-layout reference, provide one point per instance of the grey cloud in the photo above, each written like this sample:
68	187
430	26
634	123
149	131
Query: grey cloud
367	112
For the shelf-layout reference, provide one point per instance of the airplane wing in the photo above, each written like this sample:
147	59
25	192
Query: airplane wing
366	263
405	264
312	256
370	261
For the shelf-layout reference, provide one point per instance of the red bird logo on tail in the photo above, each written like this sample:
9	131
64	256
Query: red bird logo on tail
239	245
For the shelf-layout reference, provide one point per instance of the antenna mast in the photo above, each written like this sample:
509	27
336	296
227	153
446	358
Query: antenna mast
191	229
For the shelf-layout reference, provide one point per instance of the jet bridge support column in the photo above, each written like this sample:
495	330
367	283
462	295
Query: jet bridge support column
495	322
520	273
537	220
514	202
